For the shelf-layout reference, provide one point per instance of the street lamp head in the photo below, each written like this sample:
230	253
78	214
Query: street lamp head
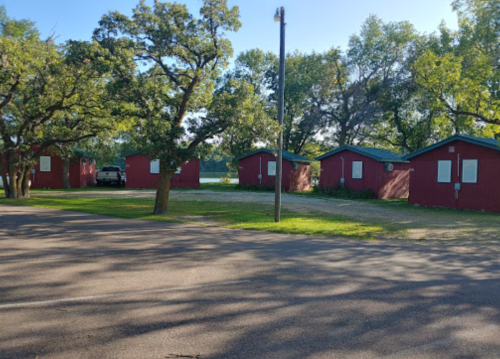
277	16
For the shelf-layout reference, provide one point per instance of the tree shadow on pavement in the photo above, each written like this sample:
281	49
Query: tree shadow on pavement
289	296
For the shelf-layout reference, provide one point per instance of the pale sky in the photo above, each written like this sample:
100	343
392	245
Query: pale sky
312	25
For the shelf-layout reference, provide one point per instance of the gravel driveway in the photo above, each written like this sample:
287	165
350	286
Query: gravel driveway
428	226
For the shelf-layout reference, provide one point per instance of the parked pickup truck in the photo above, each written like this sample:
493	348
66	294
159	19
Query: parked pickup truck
111	175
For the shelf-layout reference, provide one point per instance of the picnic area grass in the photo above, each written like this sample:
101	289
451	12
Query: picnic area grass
249	216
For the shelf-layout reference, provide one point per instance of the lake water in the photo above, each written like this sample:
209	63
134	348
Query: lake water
216	180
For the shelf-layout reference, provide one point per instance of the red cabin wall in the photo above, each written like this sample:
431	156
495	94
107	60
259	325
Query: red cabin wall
291	180
483	195
52	179
75	173
139	176
80	175
385	184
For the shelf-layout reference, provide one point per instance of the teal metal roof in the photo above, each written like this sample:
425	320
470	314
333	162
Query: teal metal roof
289	156
480	141
375	153
130	154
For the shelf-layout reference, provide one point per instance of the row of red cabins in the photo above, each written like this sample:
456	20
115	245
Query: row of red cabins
142	172
459	172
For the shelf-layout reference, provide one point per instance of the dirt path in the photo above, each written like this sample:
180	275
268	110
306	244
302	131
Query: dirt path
428	226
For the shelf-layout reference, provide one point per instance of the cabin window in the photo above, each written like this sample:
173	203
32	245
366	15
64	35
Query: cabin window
469	171
45	164
444	171
271	168
357	169
154	166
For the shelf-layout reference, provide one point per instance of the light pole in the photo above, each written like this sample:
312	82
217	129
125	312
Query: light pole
280	17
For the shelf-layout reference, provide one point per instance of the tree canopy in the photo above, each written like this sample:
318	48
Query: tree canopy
169	61
49	95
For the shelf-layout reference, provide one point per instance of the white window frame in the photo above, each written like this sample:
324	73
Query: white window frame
270	165
474	177
443	177
45	164
154	167
354	174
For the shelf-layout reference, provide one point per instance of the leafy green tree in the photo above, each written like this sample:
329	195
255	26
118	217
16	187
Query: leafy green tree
354	82
257	68
16	29
248	123
303	72
408	122
301	121
168	61
49	96
252	68
460	72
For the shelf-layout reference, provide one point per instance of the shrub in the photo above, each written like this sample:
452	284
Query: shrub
346	192
317	189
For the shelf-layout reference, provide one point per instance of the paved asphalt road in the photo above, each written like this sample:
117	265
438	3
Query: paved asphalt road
75	285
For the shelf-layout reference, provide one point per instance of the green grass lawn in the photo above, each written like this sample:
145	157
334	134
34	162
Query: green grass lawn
230	215
398	203
421	222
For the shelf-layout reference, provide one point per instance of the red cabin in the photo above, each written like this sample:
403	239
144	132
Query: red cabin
361	168
459	172
142	172
259	168
48	172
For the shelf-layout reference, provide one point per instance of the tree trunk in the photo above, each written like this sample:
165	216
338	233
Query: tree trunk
11	170
18	184
163	191
22	189
25	184
4	179
66	183
342	136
